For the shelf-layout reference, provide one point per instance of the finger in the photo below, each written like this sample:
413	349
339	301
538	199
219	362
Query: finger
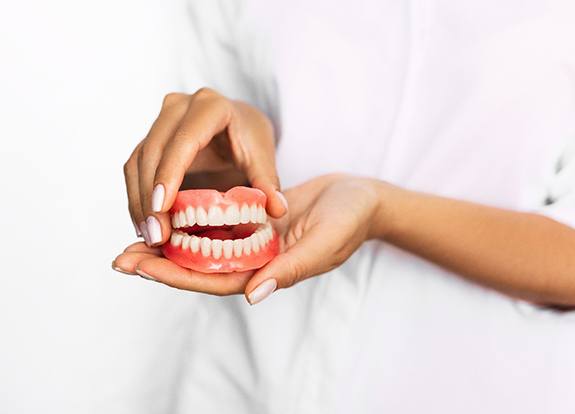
132	188
208	114
167	123
305	258
264	177
164	271
256	157
140	247
127	262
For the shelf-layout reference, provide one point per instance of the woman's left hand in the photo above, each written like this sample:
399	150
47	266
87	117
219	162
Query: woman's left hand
328	218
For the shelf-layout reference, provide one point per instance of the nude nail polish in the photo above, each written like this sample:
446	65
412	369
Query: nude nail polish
282	199
154	230
119	269
144	275
158	198
144	230
138	231
263	290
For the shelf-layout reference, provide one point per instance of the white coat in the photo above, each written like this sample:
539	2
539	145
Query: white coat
467	99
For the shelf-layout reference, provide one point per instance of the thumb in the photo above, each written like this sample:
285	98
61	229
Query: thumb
263	175
301	261
255	154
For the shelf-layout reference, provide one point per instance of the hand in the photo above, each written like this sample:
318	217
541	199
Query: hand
149	263
200	132
328	219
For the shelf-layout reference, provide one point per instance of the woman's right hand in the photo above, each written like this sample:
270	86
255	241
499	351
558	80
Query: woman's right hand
200	132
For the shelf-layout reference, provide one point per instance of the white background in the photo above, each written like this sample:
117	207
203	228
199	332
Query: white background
80	84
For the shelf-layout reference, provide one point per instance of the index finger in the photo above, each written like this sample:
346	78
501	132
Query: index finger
208	114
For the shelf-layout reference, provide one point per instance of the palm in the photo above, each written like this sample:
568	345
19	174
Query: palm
328	208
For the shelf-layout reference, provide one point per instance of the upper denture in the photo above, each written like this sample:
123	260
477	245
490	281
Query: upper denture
212	208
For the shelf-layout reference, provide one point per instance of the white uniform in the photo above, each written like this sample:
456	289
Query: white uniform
468	99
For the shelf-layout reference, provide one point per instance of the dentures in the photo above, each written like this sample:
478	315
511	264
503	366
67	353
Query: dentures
221	232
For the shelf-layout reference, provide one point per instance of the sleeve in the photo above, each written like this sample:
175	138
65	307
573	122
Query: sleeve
559	203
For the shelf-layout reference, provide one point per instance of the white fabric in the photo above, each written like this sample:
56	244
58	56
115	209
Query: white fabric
467	99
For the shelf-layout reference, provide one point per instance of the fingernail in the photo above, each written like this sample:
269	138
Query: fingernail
119	269
158	198
154	230
282	199
138	232
264	289
144	231
144	275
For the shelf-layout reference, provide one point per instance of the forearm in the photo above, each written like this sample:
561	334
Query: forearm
522	254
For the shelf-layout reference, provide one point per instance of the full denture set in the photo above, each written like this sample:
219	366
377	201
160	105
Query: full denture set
221	232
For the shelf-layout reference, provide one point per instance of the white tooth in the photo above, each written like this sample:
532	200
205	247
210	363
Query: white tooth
247	242
262	238
238	247
182	219
185	242
228	248
269	232
190	216
201	216
195	244
245	214
176	239
175	221
255	243
206	246
254	213
262	214
232	216
215	216
217	248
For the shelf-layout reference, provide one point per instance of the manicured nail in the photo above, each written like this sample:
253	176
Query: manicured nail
119	269
144	231
264	289
154	230
144	275
282	199
158	198
138	232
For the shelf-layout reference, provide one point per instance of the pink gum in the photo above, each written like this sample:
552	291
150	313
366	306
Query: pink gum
209	198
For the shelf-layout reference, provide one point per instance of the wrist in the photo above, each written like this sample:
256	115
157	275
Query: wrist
386	218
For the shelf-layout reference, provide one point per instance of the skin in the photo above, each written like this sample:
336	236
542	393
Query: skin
524	255
204	132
